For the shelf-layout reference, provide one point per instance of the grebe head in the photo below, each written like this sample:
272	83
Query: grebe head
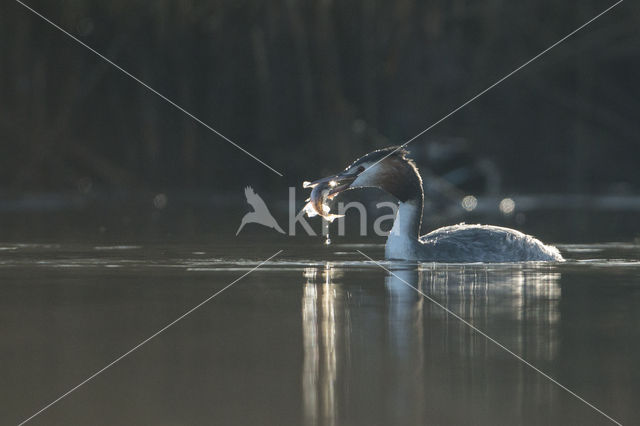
388	169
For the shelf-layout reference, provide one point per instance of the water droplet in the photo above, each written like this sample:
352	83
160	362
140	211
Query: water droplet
326	231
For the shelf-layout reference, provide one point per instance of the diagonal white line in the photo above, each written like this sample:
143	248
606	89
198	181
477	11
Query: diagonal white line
145	341
499	81
494	341
151	89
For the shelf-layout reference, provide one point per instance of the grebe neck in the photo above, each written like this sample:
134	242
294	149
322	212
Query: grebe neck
402	242
408	220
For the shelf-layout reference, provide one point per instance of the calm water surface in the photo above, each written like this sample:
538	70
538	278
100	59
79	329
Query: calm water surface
317	336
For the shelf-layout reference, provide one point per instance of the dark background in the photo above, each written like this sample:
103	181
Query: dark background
308	86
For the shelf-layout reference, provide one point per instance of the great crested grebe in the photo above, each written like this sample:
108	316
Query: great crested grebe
390	170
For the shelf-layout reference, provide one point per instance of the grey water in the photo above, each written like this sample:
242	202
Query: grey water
319	335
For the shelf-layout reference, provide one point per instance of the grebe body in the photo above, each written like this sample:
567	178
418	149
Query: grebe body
391	170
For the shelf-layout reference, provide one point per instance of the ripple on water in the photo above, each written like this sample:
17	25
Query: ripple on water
194	259
117	247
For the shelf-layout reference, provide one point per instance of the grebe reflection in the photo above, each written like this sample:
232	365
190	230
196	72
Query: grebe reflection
366	336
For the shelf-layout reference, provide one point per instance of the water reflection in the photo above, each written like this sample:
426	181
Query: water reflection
490	296
325	333
366	340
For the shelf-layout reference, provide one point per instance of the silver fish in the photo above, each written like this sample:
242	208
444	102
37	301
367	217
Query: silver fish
317	201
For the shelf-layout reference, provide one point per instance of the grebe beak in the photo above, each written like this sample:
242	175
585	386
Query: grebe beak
335	184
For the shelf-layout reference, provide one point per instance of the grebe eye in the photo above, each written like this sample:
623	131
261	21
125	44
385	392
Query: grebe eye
360	169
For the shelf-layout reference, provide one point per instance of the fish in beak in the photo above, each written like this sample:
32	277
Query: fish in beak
326	189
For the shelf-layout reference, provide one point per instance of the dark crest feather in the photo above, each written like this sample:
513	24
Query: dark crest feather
404	182
379	154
